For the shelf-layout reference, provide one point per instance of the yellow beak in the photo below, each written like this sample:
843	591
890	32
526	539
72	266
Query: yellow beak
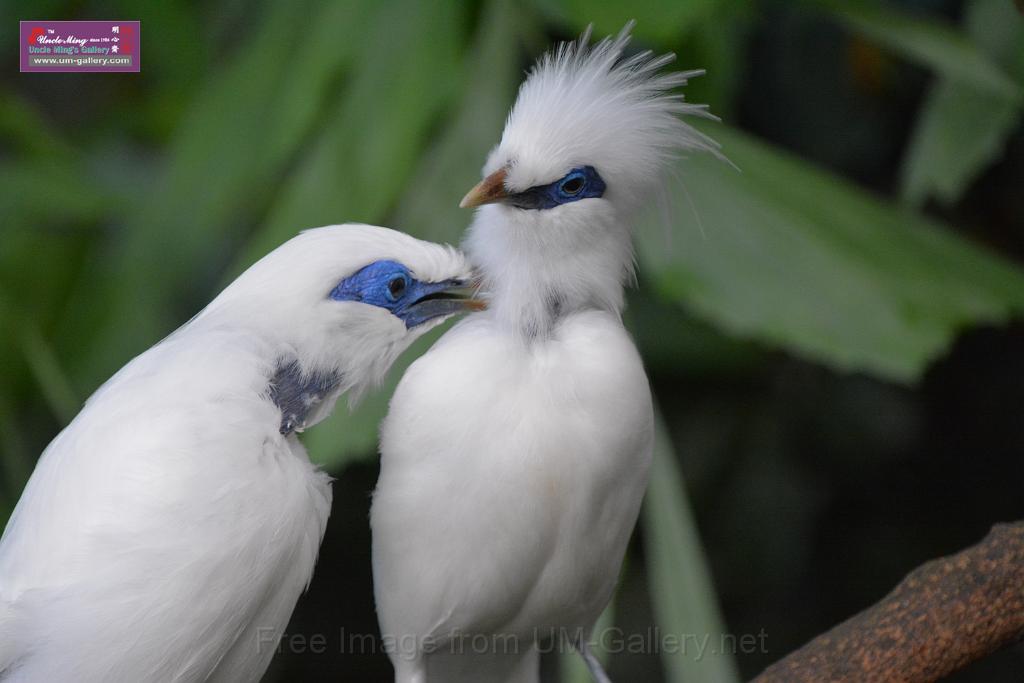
489	190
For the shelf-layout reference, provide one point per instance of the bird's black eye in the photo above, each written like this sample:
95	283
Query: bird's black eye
396	287
572	185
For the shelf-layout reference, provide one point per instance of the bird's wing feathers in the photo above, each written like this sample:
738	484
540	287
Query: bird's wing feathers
10	637
169	517
121	458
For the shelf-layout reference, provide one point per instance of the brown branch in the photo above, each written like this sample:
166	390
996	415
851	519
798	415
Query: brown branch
944	615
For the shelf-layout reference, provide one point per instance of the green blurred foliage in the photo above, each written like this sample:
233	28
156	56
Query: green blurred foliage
123	213
963	127
797	258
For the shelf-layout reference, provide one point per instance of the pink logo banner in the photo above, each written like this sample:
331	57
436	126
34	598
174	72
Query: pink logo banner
77	46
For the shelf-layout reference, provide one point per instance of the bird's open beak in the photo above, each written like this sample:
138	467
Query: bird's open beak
443	299
489	190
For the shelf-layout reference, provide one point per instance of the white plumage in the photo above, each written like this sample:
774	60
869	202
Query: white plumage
167	533
516	451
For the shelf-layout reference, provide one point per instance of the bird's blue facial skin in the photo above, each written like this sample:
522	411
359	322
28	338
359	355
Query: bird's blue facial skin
390	285
579	183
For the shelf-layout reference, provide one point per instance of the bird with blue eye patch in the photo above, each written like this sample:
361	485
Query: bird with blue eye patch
580	183
516	451
583	182
168	531
389	285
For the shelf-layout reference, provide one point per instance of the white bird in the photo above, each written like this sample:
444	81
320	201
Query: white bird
516	451
167	533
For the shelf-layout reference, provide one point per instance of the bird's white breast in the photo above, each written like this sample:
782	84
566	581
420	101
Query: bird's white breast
511	478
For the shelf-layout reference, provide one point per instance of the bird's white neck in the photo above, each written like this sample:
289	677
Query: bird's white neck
302	374
538	266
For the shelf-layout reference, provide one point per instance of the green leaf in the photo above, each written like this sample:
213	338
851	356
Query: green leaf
933	44
16	462
174	24
962	128
673	341
243	128
357	168
720	44
50	377
795	257
572	669
51	191
8	346
35	295
25	127
682	592
171	72
430	210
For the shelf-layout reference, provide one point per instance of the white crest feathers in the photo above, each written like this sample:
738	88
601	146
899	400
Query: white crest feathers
587	105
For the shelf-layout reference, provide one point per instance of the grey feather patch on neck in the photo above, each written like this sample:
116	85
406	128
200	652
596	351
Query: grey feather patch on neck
296	393
555	305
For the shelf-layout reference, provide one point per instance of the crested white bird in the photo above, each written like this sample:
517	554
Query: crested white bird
167	533
515	453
